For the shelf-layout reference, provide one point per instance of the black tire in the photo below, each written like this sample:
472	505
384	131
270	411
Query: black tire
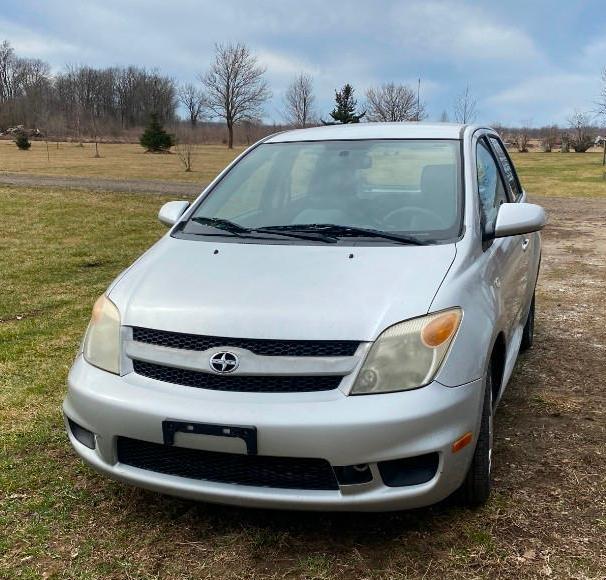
528	333
476	488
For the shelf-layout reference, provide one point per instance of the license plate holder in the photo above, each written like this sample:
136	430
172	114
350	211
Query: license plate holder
247	433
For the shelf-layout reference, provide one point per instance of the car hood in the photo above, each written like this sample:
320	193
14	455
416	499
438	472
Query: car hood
299	292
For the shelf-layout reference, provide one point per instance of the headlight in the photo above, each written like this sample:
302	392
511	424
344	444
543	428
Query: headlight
409	354
102	339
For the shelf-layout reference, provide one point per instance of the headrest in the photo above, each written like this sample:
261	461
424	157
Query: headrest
438	178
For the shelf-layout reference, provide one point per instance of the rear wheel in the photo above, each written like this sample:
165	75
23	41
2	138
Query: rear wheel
528	333
476	488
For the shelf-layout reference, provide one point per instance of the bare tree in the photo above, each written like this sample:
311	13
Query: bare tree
25	85
602	101
112	96
581	137
299	102
185	151
194	100
391	102
465	107
444	117
236	89
522	136
521	140
498	127
602	111
549	138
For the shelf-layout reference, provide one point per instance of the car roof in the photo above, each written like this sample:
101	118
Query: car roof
412	130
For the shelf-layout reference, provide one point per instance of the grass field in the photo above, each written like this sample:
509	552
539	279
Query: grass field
117	161
562	174
58	519
541	173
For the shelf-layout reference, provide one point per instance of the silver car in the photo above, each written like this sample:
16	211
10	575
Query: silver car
329	326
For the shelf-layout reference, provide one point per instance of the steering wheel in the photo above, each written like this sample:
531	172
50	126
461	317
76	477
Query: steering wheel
415	212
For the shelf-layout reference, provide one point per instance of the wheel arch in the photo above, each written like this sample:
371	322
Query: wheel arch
498	356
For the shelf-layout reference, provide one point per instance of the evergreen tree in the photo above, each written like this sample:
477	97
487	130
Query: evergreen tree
22	141
155	139
345	109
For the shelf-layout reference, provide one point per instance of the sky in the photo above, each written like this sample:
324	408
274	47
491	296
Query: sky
524	61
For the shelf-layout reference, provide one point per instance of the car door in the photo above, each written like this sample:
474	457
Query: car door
504	254
527	242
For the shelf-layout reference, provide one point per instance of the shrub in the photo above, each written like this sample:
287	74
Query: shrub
581	143
580	138
155	139
22	141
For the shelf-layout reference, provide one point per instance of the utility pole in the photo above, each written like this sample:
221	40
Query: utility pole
418	98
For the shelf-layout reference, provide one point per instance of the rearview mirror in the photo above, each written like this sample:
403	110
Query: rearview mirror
519	218
170	212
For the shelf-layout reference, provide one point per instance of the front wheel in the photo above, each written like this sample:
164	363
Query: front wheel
528	333
476	488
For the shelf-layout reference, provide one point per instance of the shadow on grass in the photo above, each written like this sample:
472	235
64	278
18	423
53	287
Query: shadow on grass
276	527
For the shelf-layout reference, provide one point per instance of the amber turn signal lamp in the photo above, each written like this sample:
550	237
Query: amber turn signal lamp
440	329
462	442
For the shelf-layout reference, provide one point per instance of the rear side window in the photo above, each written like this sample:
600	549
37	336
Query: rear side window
491	189
508	170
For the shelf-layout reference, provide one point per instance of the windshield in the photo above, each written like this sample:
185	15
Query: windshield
406	187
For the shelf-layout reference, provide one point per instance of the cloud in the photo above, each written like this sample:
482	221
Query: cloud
32	44
553	97
506	52
593	55
284	65
459	33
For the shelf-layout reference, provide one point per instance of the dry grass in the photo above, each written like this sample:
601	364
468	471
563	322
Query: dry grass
552	174
562	174
117	161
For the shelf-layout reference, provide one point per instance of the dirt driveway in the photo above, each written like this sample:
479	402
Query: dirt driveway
101	184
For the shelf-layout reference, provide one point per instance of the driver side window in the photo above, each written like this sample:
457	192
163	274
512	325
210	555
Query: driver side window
491	189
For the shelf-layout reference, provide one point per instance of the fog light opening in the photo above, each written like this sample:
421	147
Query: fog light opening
82	435
353	474
410	470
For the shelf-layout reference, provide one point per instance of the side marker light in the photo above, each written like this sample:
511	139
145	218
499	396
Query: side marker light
462	442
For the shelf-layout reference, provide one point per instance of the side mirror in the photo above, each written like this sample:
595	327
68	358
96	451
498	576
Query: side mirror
514	219
170	212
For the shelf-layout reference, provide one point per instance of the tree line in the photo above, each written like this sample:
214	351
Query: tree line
80	99
83	100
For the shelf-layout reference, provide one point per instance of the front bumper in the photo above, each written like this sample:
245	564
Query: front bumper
344	430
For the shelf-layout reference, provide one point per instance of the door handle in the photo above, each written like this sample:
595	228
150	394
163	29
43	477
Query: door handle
525	244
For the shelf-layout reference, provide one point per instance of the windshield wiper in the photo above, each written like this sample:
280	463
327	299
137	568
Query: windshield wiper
238	230
348	231
221	224
313	236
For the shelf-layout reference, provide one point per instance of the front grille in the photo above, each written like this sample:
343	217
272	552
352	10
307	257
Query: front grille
255	470
262	347
240	383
